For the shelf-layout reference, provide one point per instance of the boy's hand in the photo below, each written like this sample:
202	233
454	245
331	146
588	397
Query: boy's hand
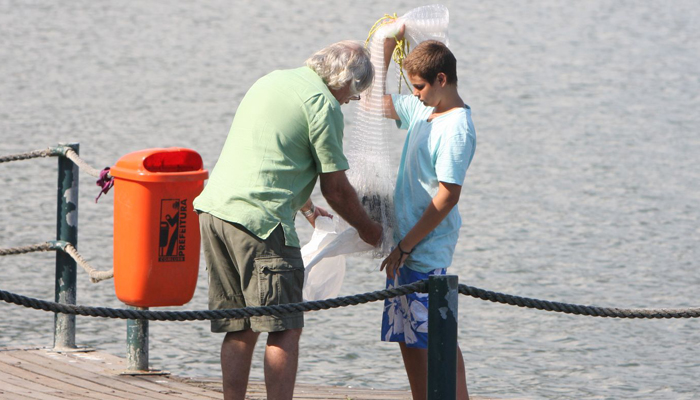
398	29
393	262
392	37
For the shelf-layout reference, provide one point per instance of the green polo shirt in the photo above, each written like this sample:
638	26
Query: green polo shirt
287	129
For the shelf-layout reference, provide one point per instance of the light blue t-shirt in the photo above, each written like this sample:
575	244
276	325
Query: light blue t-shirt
436	151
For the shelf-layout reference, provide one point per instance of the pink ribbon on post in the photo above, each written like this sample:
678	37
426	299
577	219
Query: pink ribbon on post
105	182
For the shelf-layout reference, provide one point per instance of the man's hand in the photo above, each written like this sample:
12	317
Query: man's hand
317	212
373	235
311	212
341	196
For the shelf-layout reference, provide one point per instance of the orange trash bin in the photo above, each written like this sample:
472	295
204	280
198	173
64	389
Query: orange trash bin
156	230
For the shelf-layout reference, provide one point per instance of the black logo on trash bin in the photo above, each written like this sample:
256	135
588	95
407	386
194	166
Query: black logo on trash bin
173	226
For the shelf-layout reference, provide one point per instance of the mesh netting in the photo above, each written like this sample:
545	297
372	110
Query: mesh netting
373	139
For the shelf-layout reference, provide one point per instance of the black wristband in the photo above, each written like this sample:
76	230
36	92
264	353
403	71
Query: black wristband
403	253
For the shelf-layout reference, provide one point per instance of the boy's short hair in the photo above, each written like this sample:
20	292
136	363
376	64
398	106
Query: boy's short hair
430	58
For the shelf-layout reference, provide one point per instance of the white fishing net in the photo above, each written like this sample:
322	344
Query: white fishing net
368	146
372	139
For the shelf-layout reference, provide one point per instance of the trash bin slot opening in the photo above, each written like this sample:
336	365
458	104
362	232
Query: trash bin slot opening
181	161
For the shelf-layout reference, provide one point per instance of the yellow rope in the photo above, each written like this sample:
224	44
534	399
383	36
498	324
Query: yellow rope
402	46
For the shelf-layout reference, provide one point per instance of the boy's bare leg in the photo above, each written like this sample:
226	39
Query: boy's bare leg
416	362
281	360
236	356
462	393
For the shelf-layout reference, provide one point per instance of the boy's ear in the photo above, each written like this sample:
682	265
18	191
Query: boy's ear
441	78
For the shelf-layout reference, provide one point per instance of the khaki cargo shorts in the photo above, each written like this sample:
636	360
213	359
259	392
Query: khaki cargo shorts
246	271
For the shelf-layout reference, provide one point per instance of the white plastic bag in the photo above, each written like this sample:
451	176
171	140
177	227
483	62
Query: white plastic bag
324	257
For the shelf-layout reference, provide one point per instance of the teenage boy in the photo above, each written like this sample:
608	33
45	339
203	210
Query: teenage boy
438	150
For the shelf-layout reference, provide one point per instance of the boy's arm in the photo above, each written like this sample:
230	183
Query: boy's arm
389	46
446	198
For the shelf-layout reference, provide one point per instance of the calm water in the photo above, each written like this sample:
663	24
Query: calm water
585	187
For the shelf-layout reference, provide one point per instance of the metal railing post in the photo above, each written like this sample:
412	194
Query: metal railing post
67	231
137	343
442	337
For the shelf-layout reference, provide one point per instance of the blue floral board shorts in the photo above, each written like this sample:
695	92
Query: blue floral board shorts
405	318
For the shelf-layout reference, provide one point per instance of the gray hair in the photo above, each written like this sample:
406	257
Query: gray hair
343	62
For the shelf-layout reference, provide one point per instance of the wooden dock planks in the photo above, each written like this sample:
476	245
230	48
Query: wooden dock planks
41	374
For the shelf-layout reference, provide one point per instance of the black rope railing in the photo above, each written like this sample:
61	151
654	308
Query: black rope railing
420	287
591	311
238	313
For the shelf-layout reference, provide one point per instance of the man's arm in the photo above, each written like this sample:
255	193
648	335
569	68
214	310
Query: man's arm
446	198
342	198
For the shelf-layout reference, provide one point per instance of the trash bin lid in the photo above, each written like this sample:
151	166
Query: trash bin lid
174	164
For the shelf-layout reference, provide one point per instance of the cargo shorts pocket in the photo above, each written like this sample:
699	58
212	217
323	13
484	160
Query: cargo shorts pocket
280	280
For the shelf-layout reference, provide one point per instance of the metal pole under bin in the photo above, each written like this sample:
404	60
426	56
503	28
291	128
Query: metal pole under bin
137	342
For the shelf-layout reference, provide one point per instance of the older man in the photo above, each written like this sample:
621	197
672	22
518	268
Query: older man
287	132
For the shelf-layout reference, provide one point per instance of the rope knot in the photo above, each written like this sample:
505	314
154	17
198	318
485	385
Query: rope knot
105	182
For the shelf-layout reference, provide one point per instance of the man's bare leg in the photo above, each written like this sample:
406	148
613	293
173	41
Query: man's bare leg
236	357
281	360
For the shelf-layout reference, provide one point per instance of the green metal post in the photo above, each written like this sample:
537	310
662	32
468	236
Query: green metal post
442	337
67	231
137	343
